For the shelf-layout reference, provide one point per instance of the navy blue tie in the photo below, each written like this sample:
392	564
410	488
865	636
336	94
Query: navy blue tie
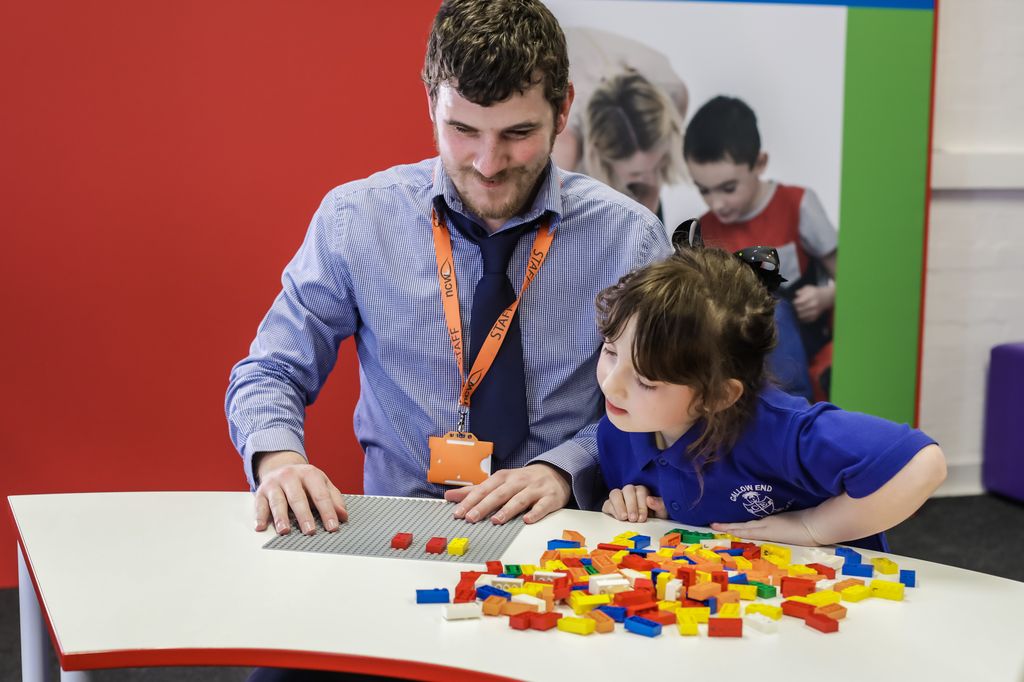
498	407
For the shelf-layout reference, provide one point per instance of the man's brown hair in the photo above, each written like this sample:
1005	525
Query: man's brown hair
702	317
491	49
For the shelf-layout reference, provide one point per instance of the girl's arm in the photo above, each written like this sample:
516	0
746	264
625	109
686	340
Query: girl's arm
844	518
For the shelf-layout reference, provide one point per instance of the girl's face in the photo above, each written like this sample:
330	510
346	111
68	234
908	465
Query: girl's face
639	176
635	404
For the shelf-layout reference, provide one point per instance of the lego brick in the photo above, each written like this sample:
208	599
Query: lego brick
510	608
725	627
697	613
797	609
401	541
544	621
659	616
605	623
823	598
520	621
764	590
908	578
746	592
887	589
833	611
573	536
577	626
436	545
856	593
766	610
858	570
843	584
462	611
495	567
581	602
824	570
637	609
687	626
492	605
642	626
702	591
796	587
885	566
533	602
822	623
729	611
458	546
485	591
438	596
617	613
727	597
762	623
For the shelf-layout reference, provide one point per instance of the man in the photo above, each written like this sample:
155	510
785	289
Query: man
496	75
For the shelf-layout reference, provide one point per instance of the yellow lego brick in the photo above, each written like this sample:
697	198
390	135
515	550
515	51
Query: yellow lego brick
578	626
773	612
777	561
671	606
532	589
458	546
800	569
625	536
856	593
666	552
528	569
710	556
742	563
823	598
798	598
887	589
703	577
687	626
554	565
617	557
581	603
726	536
885	566
697	613
659	587
573	552
784	553
729	611
747	592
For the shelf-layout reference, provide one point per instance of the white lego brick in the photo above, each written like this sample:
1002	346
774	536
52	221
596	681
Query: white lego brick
762	623
540	606
548	576
471	609
674	590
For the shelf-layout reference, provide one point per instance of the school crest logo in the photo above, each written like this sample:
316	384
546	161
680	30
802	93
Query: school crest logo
755	498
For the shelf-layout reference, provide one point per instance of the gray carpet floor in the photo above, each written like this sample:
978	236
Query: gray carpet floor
981	533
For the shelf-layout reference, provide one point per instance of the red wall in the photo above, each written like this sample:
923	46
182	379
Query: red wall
160	163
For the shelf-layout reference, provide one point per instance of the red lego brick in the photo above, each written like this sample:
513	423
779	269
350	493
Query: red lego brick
520	621
725	627
641	608
659	616
572	562
722	578
401	541
822	623
824	570
796	587
797	609
495	568
612	547
631	597
688	574
644	584
544	621
464	594
436	545
637	563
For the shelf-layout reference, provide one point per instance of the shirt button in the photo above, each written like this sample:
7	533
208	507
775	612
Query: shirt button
675	506
662	461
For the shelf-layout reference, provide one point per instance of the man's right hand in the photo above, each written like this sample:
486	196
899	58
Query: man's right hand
287	481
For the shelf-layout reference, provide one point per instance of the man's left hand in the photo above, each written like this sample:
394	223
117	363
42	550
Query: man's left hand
538	488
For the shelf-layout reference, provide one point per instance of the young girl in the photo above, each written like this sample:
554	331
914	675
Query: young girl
695	432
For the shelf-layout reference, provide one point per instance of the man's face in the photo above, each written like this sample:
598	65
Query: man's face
495	154
730	189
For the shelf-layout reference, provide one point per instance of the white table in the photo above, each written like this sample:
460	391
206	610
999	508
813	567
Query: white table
180	578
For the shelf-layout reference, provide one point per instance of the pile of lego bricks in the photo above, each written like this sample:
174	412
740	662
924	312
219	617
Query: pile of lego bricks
693	578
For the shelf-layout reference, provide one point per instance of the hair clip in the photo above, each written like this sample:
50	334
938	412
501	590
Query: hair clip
764	260
687	235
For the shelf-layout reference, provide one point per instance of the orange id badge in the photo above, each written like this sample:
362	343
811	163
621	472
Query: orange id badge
458	458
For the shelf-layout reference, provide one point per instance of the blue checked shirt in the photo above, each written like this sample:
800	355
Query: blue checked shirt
367	269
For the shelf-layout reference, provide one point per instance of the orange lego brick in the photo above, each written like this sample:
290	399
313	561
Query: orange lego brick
849	582
605	623
511	608
728	597
573	536
702	591
833	611
493	604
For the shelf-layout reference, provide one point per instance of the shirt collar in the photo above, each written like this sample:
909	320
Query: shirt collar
547	201
645	448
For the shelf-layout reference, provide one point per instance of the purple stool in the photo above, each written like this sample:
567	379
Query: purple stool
1002	468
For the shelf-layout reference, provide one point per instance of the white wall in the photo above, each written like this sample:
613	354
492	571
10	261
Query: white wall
975	277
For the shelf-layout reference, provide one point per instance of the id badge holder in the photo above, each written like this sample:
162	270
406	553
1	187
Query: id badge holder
458	458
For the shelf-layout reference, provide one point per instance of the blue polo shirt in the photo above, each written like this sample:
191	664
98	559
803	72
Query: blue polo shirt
791	456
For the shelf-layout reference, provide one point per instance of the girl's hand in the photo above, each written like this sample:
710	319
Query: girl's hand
634	503
787	527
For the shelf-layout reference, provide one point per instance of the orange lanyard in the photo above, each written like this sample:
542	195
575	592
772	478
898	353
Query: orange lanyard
450	301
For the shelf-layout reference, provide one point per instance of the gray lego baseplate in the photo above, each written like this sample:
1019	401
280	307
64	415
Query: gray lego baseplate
373	521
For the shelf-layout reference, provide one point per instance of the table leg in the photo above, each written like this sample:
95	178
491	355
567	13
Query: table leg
35	662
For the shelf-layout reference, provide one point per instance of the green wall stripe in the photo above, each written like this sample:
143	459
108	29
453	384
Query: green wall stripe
882	209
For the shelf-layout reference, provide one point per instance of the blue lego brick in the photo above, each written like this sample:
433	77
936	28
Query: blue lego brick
858	570
578	587
908	578
617	613
439	596
586	561
485	591
712	604
563	544
509	575
642	626
654	574
731	552
851	555
739	579
642	553
641	541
